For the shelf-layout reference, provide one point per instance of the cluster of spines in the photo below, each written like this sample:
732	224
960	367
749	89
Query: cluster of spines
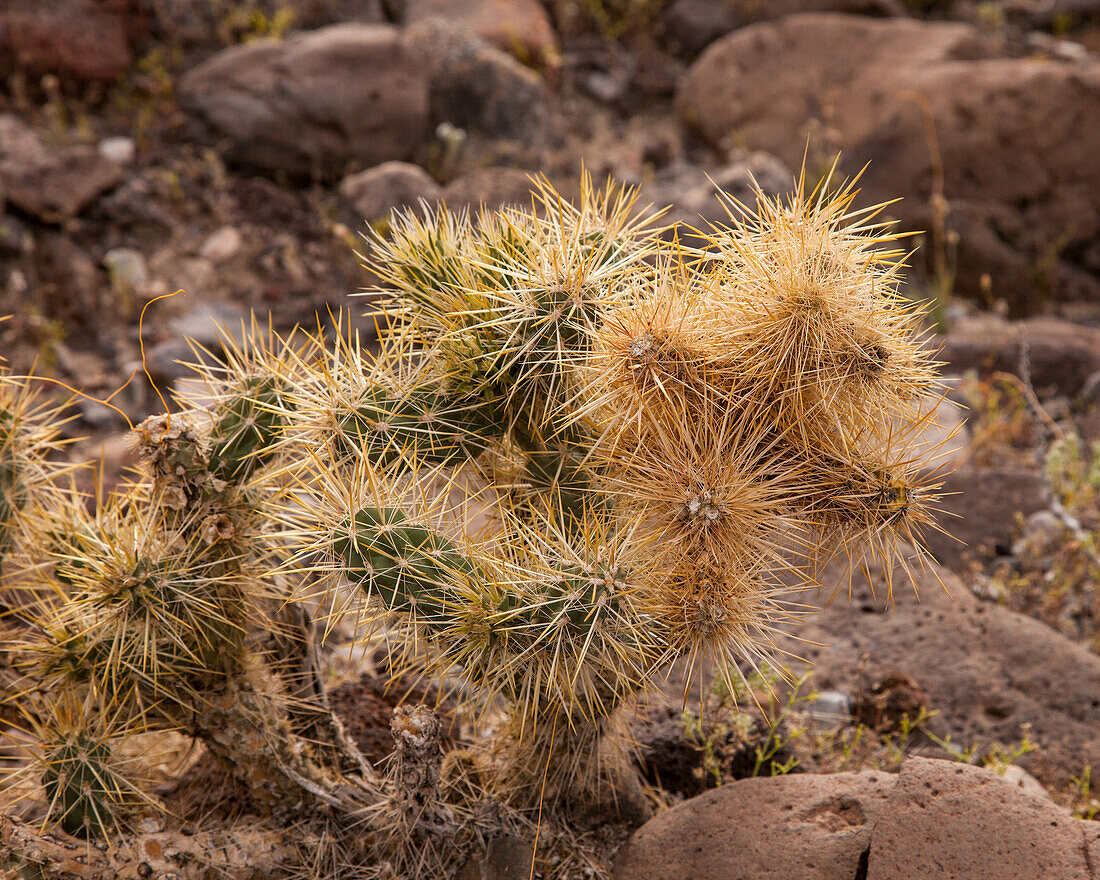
148	605
733	413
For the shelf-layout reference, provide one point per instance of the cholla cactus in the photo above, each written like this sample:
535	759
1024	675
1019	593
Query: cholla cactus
578	455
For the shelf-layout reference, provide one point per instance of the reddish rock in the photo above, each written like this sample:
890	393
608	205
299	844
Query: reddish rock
776	828
489	188
980	509
951	821
985	670
82	39
935	820
1060	356
313	103
521	27
1016	136
51	183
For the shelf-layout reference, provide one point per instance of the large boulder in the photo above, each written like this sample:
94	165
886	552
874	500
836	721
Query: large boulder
946	820
89	40
934	820
773	828
52	183
1016	136
349	93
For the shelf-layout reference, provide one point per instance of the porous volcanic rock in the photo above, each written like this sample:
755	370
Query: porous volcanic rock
314	102
87	40
980	508
934	820
1016	135
950	821
985	669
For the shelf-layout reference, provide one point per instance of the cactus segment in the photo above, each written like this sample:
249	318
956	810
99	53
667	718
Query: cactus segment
9	477
429	425
561	474
413	569
245	435
84	790
572	601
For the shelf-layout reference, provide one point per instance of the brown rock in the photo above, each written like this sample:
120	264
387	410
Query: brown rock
691	192
478	88
489	188
319	100
51	183
691	25
79	39
980	509
1060	356
950	821
376	192
1092	846
1015	135
777	828
521	27
986	670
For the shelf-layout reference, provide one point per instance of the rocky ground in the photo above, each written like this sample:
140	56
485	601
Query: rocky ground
236	151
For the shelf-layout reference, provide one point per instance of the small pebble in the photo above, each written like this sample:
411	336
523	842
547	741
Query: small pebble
221	245
127	268
120	149
831	707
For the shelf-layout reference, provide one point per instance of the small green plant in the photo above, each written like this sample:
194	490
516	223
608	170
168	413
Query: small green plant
733	741
1073	472
249	22
1085	806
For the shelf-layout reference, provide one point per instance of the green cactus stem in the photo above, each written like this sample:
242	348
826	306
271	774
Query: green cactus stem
9	479
411	568
434	427
84	790
247	430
